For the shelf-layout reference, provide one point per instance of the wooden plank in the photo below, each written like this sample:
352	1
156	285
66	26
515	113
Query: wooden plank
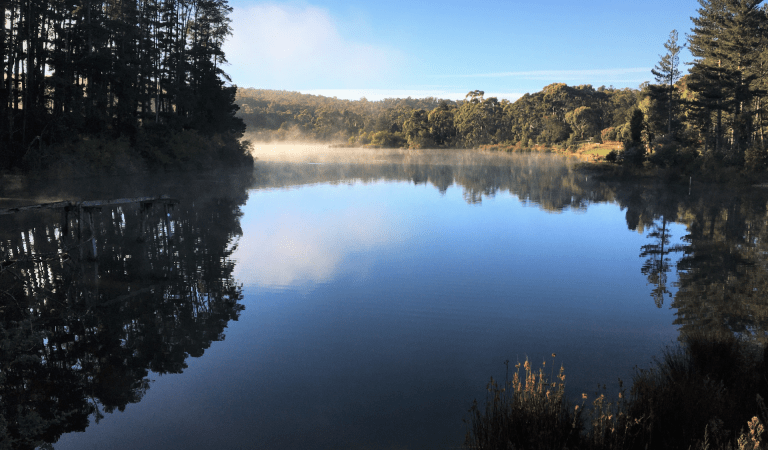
88	204
40	206
123	201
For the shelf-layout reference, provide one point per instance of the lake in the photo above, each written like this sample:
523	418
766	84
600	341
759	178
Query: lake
341	299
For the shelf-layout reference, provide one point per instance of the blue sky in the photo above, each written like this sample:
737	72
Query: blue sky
398	48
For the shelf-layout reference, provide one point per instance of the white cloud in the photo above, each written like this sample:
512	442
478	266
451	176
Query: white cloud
381	94
603	75
278	46
306	248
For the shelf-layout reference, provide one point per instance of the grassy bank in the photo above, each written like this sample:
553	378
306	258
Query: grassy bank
706	394
586	150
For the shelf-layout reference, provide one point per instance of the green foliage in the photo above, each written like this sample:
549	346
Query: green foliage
554	131
583	120
612	156
441	125
417	130
609	134
387	139
475	121
478	120
727	75
635	127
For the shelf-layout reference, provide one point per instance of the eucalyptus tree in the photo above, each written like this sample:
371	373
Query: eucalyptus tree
441	124
417	130
478	119
584	121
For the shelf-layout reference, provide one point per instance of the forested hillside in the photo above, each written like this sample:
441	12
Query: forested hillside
96	81
559	114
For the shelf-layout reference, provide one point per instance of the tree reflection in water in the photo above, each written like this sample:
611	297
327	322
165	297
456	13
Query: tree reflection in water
721	263
79	335
722	273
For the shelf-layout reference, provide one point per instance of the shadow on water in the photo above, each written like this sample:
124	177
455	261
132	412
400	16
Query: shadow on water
90	304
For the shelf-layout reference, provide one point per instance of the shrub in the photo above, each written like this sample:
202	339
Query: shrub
703	395
387	139
610	134
756	158
633	154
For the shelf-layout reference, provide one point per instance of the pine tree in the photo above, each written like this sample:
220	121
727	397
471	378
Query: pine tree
109	68
725	44
667	73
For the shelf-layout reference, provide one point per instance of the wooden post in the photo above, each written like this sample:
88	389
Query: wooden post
94	253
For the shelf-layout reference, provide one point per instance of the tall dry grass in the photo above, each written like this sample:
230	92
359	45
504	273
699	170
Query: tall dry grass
527	411
705	394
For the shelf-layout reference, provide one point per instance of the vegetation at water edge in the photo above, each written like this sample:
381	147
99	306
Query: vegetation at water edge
706	394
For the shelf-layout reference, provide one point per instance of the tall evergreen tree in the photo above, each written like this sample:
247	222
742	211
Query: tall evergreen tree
667	72
110	68
725	43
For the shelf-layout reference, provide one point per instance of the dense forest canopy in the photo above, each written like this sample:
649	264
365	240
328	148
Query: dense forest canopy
553	116
143	71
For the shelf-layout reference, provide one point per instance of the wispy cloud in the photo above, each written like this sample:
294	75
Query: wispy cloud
381	94
618	74
280	46
300	247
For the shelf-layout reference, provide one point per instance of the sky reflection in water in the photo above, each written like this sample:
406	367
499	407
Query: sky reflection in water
377	309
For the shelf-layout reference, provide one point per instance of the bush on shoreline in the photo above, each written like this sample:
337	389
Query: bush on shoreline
706	394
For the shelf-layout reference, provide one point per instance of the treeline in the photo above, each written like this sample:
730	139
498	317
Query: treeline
558	115
283	115
147	73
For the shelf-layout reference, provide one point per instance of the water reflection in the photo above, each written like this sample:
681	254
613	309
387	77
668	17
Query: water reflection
81	327
719	261
722	274
721	265
91	303
658	261
551	182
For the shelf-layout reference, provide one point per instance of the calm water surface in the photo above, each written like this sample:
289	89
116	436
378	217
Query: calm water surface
333	304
